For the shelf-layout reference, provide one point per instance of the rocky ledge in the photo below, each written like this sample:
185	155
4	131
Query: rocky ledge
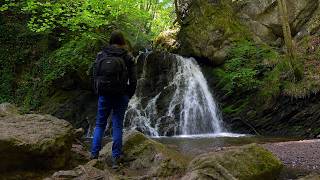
148	159
33	141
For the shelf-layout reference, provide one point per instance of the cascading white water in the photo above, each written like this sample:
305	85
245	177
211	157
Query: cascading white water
197	110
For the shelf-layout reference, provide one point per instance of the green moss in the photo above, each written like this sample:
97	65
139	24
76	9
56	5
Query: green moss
208	26
18	48
253	163
149	157
248	162
223	17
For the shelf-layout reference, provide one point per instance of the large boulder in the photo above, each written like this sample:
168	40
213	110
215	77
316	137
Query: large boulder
207	30
148	158
32	140
144	158
249	162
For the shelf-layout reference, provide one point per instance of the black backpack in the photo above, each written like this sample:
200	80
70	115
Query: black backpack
109	74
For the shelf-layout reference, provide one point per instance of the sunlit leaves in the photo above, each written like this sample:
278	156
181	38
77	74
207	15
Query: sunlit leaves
139	18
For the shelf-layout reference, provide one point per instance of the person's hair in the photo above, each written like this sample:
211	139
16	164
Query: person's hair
117	38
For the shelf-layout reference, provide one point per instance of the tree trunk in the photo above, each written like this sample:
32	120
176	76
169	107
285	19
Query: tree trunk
286	28
296	67
176	5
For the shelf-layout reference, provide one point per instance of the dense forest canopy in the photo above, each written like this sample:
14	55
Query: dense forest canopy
62	37
141	19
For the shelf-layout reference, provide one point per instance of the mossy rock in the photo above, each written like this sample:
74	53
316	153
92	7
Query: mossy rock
209	29
167	40
248	162
32	140
150	158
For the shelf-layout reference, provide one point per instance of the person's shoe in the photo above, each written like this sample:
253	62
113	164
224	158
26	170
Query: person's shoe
115	162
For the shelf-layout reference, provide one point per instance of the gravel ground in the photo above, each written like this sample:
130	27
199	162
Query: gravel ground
298	154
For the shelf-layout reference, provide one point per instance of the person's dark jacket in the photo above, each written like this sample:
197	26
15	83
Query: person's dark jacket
114	50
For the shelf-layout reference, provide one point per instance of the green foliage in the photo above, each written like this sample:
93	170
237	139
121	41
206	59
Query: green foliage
246	65
18	46
72	60
140	20
74	56
30	66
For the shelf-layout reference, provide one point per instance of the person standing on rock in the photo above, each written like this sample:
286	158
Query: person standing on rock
114	80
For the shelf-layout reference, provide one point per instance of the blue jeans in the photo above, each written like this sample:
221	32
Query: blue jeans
106	104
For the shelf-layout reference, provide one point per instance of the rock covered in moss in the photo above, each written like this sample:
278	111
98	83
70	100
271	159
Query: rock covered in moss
150	158
208	29
248	162
167	40
32	140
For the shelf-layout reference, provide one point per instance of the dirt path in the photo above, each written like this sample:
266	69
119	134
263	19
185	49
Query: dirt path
298	154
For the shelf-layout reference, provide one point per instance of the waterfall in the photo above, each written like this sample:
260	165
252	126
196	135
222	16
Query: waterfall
189	108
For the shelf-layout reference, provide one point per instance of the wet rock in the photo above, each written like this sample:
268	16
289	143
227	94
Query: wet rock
148	157
248	163
156	72
33	140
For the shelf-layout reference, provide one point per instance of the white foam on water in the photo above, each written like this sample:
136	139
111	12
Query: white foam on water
216	135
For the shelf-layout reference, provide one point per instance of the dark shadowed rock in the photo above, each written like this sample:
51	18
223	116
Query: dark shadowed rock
75	106
32	140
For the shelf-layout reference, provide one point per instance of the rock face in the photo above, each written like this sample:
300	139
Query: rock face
286	117
78	107
245	163
259	15
33	141
208	27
